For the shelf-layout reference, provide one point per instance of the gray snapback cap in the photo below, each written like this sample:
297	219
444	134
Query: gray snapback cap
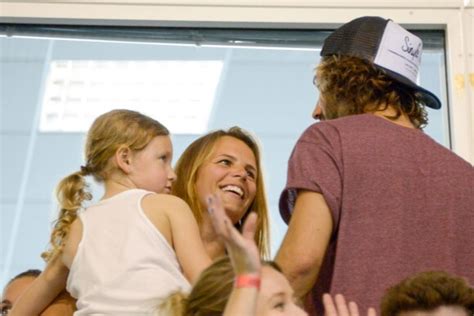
387	45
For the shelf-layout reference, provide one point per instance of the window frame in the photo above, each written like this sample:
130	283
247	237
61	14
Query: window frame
445	15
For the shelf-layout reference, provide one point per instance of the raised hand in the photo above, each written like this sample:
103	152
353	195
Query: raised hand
241	247
341	308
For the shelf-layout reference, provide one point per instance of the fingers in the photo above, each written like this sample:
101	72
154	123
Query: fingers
339	307
217	213
250	226
214	204
329	306
230	229
353	309
221	222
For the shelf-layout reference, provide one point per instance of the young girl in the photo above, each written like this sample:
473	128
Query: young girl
129	250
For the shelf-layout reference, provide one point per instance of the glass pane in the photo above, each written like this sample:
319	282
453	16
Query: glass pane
264	85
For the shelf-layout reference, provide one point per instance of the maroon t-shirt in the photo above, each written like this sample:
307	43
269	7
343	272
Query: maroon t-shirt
401	204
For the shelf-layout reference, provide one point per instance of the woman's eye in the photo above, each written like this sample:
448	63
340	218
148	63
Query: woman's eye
225	162
251	174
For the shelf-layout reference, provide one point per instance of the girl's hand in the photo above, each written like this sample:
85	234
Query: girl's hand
341	308
242	249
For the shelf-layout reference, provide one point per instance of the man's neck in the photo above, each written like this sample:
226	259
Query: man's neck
402	120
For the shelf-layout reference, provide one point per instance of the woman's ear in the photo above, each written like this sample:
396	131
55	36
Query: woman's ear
123	159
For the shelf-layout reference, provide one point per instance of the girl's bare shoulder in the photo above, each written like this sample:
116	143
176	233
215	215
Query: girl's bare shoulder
164	203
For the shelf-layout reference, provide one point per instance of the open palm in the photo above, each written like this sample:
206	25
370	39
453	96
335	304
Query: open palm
241	247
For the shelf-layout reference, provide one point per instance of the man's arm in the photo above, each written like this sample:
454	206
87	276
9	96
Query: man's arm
304	246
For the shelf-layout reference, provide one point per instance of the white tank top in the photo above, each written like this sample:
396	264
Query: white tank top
123	264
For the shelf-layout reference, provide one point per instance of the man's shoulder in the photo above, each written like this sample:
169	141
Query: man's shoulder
337	126
345	121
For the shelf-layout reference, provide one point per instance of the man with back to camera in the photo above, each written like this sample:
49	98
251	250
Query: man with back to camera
372	199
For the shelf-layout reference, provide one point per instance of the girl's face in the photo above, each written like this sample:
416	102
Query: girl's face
276	295
231	171
151	167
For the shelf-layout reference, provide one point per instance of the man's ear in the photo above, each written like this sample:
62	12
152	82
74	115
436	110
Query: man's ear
123	159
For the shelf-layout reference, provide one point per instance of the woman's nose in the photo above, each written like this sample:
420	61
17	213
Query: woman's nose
240	172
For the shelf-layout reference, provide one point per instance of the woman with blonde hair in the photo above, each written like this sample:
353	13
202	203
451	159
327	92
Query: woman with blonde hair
228	163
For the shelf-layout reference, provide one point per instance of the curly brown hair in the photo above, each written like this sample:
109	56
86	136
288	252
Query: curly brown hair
426	292
350	85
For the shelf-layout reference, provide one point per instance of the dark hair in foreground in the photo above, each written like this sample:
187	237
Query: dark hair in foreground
426	292
33	273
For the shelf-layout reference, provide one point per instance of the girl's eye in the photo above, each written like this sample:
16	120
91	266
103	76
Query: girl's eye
5	309
163	158
279	306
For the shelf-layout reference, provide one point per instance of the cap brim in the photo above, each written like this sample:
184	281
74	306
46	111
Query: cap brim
429	98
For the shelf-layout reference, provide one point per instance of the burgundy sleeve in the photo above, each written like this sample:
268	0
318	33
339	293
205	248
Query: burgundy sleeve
315	165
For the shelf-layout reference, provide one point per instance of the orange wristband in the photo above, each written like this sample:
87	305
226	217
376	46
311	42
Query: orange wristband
247	280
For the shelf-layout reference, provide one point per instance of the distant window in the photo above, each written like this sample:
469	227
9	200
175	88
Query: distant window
180	93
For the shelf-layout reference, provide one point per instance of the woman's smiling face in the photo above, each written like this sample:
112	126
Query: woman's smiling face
231	171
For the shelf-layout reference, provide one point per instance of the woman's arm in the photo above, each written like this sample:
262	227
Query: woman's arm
44	289
245	258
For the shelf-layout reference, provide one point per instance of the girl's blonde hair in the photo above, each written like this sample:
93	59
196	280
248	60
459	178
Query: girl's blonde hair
209	294
108	132
196	155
